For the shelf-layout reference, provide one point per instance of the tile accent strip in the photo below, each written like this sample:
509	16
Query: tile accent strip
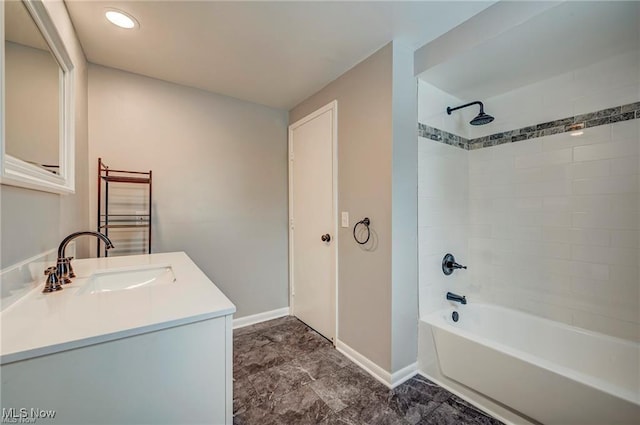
442	136
605	116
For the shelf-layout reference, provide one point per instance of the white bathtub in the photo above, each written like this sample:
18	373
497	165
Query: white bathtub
551	372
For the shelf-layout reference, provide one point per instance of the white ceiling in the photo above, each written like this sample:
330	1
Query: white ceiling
272	53
569	36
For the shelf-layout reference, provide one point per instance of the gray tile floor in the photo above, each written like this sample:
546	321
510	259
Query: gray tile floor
286	373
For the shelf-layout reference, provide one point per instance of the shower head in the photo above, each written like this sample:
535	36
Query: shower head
480	119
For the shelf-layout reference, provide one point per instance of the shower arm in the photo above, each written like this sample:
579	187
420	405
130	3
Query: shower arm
450	110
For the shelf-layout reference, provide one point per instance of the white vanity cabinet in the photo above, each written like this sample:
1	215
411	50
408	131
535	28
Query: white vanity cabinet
156	355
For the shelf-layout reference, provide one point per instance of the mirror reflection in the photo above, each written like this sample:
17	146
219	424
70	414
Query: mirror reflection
32	91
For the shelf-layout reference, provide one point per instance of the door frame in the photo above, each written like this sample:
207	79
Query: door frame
333	107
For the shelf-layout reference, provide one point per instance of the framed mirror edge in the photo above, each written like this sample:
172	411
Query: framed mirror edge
16	172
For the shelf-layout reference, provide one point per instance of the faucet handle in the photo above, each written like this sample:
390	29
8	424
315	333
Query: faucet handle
449	264
63	270
53	281
72	274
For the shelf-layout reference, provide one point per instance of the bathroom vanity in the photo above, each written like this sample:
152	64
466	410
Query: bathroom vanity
137	339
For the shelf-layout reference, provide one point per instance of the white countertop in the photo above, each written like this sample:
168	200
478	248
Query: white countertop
41	324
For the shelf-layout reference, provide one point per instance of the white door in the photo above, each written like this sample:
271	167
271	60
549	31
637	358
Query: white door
313	219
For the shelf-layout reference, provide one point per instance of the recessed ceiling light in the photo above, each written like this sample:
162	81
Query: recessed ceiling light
577	133
121	19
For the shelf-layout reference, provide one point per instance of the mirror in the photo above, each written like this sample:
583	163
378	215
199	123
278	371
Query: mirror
37	80
32	95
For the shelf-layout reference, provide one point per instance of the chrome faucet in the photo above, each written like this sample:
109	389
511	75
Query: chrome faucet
64	271
457	298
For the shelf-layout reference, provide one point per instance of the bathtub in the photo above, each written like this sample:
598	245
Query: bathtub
548	371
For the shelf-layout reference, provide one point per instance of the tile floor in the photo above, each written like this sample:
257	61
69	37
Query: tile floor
286	373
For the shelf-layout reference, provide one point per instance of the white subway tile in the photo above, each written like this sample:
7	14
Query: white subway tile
556	234
626	131
625	202
438	240
591	203
480	155
546	189
543	250
625	239
588	169
625	274
549	311
528	175
621	291
598	289
559	267
605	185
606	220
557	203
527	233
607	325
591	236
556	218
589	136
480	179
605	151
524	204
522	149
604	255
527	218
625	166
590	270
562	156
624	309
479	230
493	191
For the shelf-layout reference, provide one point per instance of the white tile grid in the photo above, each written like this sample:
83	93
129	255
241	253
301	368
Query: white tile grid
443	202
570	216
553	227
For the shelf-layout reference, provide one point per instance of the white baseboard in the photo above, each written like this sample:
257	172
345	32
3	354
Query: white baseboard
404	374
386	378
241	322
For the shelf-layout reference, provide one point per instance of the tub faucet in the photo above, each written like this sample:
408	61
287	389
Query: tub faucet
63	266
457	298
449	264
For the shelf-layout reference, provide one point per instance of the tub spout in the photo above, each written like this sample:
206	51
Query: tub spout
457	298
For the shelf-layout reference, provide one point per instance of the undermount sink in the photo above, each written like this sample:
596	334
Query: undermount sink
127	279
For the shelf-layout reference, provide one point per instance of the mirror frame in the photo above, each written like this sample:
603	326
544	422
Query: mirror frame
16	172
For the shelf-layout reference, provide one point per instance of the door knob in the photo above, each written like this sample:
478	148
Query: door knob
326	238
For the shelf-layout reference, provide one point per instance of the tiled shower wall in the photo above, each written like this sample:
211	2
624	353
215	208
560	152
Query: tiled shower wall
548	225
554	227
443	205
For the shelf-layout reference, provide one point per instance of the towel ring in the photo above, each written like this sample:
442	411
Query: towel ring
365	222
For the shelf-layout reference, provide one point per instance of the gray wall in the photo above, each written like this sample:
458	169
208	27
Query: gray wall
377	172
404	260
220	177
33	222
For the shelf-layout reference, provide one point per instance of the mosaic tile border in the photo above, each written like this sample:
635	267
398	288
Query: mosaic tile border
593	119
442	136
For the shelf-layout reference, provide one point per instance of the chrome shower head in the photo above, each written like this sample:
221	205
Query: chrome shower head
480	119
